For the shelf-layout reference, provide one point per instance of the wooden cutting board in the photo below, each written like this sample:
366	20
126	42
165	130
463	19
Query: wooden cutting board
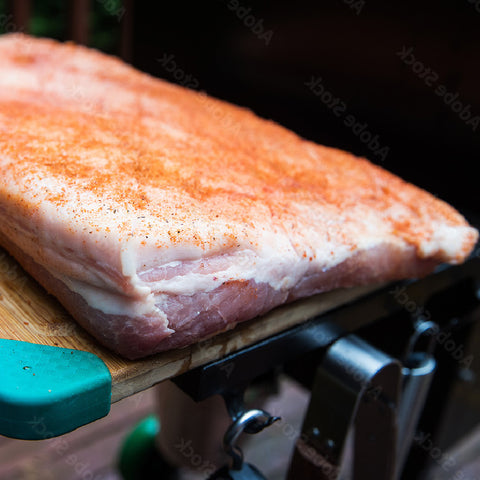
28	313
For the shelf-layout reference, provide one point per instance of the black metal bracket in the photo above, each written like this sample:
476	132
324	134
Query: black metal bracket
235	371
356	389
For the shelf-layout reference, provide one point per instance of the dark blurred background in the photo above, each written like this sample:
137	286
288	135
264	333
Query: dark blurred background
416	113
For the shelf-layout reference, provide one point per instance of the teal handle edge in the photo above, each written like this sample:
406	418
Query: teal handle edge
47	391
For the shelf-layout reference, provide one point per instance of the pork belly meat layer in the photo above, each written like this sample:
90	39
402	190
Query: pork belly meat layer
160	216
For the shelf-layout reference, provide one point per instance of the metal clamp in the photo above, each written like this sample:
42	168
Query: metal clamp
356	386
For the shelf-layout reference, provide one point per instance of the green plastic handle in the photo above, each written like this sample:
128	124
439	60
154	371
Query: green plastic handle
48	391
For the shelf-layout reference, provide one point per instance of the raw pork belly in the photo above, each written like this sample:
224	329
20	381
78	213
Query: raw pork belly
160	216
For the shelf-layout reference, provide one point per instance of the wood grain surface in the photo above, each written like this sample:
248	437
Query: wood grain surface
29	314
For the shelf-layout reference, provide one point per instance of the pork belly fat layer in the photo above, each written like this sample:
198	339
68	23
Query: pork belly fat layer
196	317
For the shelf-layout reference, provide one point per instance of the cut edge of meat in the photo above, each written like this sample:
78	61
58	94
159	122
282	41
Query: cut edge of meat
238	301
